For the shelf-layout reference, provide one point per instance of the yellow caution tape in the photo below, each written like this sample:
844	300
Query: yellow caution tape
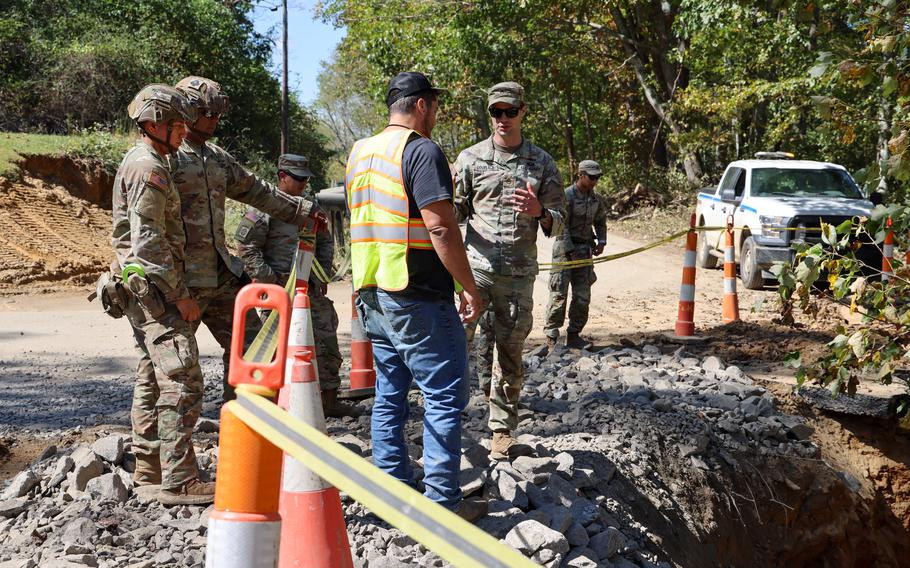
442	531
263	348
569	264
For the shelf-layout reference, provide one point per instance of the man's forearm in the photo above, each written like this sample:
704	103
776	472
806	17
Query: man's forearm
449	246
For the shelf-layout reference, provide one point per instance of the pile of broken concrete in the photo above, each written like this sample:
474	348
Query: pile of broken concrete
611	430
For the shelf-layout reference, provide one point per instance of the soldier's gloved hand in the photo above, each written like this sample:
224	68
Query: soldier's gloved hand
598	249
317	220
189	309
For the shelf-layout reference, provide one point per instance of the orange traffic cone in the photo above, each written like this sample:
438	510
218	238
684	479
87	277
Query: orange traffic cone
313	533
888	253
244	527
363	376
685	320
300	340
730	312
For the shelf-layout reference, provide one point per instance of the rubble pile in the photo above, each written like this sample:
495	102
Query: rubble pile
623	438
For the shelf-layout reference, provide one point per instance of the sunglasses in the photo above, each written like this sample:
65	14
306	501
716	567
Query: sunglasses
295	177
210	114
498	112
593	178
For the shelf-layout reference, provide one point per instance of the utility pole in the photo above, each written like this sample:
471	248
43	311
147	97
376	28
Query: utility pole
285	119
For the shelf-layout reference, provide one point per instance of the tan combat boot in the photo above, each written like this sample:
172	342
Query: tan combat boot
148	470
334	408
574	341
505	447
193	492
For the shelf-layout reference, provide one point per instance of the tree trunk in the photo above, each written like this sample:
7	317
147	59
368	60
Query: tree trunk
666	79
569	134
885	115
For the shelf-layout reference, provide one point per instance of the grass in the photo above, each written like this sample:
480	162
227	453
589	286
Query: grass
14	143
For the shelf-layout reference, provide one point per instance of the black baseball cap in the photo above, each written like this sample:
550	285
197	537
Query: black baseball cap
407	84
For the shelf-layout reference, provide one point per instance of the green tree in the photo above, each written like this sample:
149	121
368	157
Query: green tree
69	64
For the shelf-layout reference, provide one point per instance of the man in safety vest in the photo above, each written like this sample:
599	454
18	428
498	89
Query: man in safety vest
506	188
267	247
406	256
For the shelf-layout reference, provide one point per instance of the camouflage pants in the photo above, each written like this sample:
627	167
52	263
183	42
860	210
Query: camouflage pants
510	298
482	353
167	398
581	279
216	306
325	334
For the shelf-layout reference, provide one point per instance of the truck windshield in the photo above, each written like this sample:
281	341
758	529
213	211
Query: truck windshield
829	182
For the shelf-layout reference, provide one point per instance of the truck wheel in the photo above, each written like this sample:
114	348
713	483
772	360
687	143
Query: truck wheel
749	272
703	256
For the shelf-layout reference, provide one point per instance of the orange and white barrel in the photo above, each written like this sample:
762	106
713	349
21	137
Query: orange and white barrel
888	254
244	528
730	311
685	319
363	375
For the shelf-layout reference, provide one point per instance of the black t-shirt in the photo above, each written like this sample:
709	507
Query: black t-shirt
427	179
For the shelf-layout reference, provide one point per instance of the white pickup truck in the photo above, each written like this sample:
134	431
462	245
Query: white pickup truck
767	195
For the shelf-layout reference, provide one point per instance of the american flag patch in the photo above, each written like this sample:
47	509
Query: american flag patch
252	216
158	181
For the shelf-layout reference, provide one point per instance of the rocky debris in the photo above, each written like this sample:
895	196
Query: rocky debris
110	448
82	511
615	433
24	482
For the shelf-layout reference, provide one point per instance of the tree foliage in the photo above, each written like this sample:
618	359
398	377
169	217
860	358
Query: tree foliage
879	347
865	90
636	84
70	64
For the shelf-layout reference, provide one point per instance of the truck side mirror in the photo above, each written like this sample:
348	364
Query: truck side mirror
876	197
728	195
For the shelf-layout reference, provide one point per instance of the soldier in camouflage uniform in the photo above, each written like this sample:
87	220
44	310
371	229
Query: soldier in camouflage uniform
506	187
205	175
584	209
267	247
149	239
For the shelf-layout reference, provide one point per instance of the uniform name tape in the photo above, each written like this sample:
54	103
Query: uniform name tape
429	523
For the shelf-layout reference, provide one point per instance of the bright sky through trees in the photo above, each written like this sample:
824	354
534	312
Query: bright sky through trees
309	42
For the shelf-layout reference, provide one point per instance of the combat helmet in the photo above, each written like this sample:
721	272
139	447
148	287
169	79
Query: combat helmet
160	104
205	95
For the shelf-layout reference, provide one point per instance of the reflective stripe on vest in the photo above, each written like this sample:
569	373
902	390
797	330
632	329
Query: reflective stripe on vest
381	229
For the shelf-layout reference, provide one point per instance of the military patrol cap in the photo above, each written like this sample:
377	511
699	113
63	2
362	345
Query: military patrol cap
589	167
204	94
406	84
295	164
159	104
509	92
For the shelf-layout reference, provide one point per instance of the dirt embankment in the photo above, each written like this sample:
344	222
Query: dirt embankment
83	179
56	230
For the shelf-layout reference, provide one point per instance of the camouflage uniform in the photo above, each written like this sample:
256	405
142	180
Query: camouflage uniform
205	175
583	212
502	250
267	248
167	398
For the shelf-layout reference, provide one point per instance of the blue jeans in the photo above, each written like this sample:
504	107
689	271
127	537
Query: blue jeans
424	341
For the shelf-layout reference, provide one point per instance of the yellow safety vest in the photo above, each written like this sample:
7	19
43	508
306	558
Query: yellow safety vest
382	230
